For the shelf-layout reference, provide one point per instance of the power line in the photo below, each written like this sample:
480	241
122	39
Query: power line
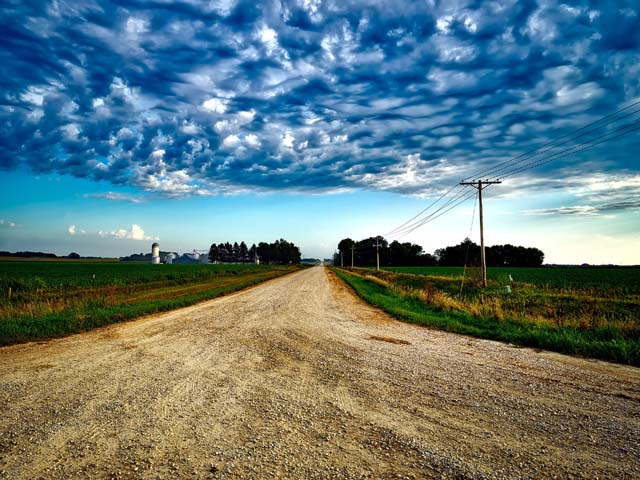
527	161
423	210
548	144
496	171
401	232
466	197
630	127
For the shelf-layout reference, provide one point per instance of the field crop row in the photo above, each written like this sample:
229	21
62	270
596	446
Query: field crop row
29	276
48	299
616	280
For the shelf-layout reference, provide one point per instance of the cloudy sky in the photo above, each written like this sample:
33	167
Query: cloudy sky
124	122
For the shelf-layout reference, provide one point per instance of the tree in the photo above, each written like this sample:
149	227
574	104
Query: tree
253	251
457	255
263	252
236	252
214	253
73	255
243	252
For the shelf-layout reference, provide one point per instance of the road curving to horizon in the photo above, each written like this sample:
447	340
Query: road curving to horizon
299	378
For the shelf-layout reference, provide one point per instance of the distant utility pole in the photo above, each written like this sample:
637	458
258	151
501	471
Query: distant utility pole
377	245
352	249
480	185
341	260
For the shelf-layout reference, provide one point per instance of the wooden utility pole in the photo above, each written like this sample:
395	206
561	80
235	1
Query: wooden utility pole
480	185
377	245
352	249
341	260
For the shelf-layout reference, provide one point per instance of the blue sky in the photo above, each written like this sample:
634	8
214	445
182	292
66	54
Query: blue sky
192	122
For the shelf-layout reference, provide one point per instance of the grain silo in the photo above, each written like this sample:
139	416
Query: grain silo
155	253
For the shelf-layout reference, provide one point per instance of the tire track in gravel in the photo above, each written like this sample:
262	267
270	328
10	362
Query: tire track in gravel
298	378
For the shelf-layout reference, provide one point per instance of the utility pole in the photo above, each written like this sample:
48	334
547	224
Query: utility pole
352	249
341	260
377	245
480	185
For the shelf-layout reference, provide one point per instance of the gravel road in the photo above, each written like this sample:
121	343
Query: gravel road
298	378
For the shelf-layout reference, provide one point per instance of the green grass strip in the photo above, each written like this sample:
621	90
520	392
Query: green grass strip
604	344
89	316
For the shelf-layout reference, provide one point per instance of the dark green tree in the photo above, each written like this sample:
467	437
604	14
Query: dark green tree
214	253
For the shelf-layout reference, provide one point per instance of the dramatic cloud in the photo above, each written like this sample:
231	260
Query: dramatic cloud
188	98
136	233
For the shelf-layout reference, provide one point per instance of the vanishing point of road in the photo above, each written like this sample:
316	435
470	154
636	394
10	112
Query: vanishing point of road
298	378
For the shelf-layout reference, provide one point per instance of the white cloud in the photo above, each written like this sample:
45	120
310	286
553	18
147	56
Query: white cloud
269	37
8	223
252	140
287	140
70	131
117	196
158	154
189	128
71	229
230	141
135	233
246	116
215	105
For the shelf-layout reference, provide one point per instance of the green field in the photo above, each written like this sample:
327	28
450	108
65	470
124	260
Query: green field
587	311
46	299
617	279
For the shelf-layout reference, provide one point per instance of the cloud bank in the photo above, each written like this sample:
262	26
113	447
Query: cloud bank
188	98
135	233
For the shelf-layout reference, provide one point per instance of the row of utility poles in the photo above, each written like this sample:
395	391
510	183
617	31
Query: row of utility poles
478	185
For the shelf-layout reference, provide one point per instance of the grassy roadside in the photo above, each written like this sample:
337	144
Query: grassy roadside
602	343
54	312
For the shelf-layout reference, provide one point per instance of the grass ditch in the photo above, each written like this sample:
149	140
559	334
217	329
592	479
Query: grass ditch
55	311
437	309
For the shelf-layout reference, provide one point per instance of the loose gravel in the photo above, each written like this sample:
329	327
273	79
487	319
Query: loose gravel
298	378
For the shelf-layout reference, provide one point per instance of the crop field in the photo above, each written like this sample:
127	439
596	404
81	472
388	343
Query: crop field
621	280
588	311
45	299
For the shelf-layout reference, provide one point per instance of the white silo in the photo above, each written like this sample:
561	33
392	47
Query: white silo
155	253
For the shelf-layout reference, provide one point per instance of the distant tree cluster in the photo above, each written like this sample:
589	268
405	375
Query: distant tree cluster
231	253
28	254
394	253
497	255
410	254
279	252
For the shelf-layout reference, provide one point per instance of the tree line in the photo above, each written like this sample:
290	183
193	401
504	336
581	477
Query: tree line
410	254
279	252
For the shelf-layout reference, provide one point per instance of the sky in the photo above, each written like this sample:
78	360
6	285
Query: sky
127	122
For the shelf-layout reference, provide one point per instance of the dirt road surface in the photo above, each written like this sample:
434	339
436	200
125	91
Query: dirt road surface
298	378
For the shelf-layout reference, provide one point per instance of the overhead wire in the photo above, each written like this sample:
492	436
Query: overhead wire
464	198
606	137
418	223
567	138
423	210
524	162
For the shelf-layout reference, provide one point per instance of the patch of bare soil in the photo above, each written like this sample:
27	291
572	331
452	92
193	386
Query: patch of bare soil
397	341
285	380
